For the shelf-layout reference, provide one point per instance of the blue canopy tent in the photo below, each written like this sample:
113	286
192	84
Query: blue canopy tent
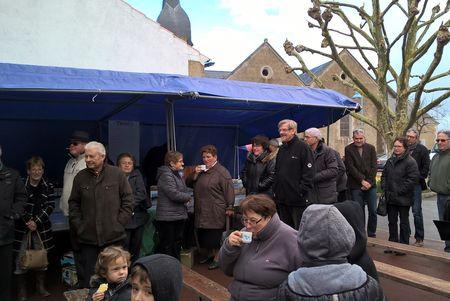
191	111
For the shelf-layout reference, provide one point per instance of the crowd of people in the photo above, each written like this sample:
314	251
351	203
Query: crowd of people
303	218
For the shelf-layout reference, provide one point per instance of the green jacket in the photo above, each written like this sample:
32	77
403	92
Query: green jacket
439	180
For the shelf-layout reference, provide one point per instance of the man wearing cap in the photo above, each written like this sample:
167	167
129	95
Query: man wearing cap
76	163
12	200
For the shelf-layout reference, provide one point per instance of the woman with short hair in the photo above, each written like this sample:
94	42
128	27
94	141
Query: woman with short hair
135	227
171	210
258	174
35	220
400	175
258	267
214	200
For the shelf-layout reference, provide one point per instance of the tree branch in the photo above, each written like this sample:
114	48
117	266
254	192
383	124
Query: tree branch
436	89
432	104
366	120
433	78
355	47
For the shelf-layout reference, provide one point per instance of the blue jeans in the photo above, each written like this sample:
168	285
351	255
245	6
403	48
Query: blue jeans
417	213
441	200
369	197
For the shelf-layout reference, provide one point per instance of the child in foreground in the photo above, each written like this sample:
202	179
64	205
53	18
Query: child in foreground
156	278
110	282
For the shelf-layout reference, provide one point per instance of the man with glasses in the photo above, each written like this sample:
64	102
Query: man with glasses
439	180
293	174
361	164
422	156
78	141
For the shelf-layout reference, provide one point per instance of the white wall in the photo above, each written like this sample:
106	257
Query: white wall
94	34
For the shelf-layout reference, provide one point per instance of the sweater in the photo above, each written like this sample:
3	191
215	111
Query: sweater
261	266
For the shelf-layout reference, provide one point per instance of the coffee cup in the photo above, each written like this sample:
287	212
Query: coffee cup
203	167
246	237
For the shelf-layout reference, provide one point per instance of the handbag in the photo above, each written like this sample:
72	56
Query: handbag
32	258
382	206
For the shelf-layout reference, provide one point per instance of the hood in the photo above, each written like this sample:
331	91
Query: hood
165	276
354	215
324	235
162	170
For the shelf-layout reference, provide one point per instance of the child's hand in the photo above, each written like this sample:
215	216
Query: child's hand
98	296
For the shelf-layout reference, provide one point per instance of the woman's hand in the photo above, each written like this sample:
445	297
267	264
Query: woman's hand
235	239
98	296
31	225
229	212
198	169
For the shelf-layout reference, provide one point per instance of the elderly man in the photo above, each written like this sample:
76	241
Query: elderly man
325	169
422	156
100	206
439	180
361	164
12	200
293	174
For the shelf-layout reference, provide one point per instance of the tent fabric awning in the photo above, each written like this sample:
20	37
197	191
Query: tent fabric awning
53	93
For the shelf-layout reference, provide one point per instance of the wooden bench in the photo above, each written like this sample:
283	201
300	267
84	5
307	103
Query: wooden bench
204	288
409	249
421	281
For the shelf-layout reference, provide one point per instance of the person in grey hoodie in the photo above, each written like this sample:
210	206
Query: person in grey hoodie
261	265
171	210
325	239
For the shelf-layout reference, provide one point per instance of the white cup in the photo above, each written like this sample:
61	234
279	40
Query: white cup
246	237
203	167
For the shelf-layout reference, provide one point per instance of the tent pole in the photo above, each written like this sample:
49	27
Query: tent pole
170	126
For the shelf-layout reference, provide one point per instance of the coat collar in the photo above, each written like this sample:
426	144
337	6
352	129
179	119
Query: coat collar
270	229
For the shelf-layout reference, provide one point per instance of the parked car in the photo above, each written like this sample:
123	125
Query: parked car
381	161
433	151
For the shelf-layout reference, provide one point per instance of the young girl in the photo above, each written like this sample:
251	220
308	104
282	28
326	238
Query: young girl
110	281
156	278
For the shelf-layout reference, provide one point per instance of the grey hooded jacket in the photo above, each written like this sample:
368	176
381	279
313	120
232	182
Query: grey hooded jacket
325	239
172	195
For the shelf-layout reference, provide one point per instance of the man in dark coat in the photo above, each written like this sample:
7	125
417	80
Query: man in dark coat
361	164
293	174
325	169
100	206
421	154
12	199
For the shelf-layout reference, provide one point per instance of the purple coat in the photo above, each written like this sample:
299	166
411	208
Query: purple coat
261	266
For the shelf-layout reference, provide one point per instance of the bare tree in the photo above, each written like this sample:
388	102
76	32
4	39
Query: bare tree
375	45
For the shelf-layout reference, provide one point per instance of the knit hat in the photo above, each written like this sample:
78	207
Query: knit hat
274	142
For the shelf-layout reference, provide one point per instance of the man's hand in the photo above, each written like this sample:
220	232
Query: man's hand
235	239
229	212
31	225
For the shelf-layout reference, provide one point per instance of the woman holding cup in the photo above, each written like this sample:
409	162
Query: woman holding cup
261	256
214	200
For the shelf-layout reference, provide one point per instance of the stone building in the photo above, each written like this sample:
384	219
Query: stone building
265	65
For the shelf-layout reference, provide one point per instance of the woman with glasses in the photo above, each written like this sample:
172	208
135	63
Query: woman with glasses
400	175
35	220
135	227
259	266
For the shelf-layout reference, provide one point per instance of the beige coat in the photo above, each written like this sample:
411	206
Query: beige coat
213	193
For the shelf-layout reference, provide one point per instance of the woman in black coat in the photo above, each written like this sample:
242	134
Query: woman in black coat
35	220
400	175
135	228
258	174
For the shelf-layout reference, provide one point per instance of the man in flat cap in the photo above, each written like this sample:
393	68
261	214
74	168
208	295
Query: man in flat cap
76	148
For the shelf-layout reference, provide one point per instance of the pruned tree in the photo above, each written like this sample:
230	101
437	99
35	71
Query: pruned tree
371	40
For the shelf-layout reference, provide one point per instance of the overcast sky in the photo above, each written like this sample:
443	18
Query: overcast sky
227	31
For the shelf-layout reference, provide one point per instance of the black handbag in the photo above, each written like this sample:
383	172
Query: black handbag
382	206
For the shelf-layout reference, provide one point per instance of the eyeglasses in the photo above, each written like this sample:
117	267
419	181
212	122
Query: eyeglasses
441	140
247	221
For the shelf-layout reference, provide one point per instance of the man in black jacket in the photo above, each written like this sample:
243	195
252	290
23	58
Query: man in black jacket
422	156
293	174
361	164
12	201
